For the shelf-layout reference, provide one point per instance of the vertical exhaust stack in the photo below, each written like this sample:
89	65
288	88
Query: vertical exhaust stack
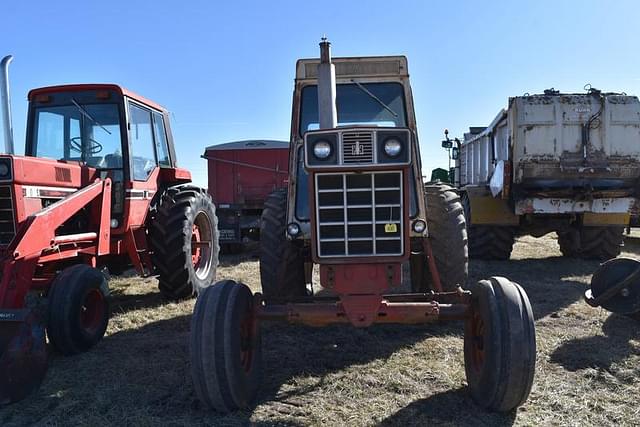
327	111
6	104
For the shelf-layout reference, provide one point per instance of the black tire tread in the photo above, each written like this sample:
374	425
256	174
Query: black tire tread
448	235
66	290
215	378
507	375
281	263
488	242
600	243
170	239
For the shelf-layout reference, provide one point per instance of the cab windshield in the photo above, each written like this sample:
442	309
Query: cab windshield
371	104
89	133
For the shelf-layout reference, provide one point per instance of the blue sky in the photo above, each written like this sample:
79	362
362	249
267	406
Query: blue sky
225	69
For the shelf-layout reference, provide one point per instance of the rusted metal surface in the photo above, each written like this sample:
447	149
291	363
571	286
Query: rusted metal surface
568	205
558	136
433	269
323	314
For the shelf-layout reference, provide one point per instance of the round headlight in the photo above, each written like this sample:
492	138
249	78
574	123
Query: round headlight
293	229
4	170
419	226
392	147
322	149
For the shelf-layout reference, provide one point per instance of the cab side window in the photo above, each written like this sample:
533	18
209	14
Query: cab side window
143	158
161	141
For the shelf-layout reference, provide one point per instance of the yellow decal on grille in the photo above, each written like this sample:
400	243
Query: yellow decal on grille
390	228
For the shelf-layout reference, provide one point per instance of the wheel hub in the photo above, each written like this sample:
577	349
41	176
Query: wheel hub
92	310
201	245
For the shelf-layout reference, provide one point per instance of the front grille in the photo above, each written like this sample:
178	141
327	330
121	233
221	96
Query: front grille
357	147
359	214
7	219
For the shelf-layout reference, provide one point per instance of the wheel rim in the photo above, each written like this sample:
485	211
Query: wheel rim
247	341
92	310
477	342
201	245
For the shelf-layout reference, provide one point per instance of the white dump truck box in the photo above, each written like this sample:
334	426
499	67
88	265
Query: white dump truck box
557	140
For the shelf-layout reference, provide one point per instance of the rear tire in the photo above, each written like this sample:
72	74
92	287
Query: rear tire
448	236
184	239
225	347
499	345
488	242
281	262
78	309
600	243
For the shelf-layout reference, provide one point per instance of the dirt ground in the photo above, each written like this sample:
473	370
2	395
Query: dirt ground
588	365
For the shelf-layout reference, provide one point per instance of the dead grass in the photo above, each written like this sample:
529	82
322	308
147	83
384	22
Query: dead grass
588	367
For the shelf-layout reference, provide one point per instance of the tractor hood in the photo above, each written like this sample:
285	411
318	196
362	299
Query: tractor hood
45	172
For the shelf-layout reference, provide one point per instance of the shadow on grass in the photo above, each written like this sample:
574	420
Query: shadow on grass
124	303
453	407
601	351
142	376
549	282
249	252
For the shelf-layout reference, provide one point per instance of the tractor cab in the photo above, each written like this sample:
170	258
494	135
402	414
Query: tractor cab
106	130
355	200
373	140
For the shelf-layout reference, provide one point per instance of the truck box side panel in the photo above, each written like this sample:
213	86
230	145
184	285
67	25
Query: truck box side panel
549	143
246	177
544	138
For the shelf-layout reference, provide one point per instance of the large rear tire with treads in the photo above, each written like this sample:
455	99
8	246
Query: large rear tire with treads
448	238
281	262
488	242
183	232
601	243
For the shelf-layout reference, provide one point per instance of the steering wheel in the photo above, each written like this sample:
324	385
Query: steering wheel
76	144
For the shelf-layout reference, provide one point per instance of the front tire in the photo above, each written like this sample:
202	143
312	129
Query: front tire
184	239
225	347
78	309
499	345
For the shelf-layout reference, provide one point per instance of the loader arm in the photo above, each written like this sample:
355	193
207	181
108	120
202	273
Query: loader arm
37	235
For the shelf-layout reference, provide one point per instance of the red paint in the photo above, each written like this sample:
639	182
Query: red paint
93	86
246	175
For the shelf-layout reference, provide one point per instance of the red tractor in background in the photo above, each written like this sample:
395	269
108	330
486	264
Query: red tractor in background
98	187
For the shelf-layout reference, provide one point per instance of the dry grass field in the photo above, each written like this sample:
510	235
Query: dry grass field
588	366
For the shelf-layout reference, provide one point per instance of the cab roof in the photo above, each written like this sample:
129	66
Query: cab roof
349	67
94	86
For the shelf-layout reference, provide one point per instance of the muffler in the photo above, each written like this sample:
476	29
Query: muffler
6	104
327	111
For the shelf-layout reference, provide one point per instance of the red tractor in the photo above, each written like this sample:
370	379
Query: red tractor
357	208
98	187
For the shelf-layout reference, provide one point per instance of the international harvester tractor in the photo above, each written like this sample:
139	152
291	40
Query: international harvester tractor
98	187
356	207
